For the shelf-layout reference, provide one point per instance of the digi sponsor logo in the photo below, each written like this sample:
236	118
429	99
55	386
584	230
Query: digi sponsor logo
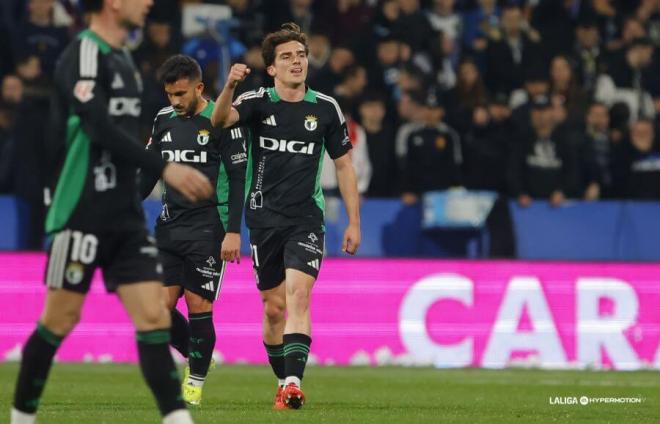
290	146
184	156
120	106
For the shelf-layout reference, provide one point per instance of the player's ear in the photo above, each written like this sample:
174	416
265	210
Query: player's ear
200	88
271	70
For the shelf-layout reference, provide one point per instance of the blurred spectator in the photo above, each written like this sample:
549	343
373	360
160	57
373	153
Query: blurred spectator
351	23
152	53
331	74
587	54
251	29
509	55
319	53
12	90
439	61
35	83
637	166
413	27
480	25
380	142
536	84
359	157
487	145
539	160
595	161
351	87
631	30
468	94
6	145
555	21
433	156
627	79
298	11
565	91
444	19
37	35
258	76
384	74
412	116
386	19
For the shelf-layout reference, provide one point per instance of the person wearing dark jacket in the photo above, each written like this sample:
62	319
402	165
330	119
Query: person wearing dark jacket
540	160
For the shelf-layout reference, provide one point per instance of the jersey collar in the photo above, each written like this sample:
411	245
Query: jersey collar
310	95
103	45
206	113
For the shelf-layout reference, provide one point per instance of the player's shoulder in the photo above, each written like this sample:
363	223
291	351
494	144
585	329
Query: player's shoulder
251	96
330	104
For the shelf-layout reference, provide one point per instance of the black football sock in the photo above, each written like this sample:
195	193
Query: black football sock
296	351
159	370
37	359
180	333
202	342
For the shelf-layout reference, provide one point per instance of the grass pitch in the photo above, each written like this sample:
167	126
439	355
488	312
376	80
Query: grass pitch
115	393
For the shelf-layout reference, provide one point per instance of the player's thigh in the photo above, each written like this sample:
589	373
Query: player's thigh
197	304
267	251
145	304
304	252
172	295
72	258
203	270
172	259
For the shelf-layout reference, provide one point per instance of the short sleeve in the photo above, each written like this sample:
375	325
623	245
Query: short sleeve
337	141
247	105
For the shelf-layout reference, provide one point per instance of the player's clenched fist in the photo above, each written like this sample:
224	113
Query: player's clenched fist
237	73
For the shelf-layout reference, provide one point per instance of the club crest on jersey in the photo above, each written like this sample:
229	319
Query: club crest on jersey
203	137
311	122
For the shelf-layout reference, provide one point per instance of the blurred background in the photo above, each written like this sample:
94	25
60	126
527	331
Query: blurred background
482	129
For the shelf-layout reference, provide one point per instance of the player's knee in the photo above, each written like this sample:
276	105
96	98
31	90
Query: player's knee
274	311
62	323
153	317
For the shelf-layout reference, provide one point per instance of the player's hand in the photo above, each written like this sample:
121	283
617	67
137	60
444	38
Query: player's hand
352	239
237	73
188	181
231	248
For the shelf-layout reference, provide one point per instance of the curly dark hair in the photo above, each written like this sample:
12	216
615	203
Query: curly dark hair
288	32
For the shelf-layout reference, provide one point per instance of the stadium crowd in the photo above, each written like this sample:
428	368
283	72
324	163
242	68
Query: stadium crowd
534	99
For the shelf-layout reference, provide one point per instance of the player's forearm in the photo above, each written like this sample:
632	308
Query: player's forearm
236	200
349	192
222	107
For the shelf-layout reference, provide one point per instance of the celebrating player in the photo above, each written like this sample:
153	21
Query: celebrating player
95	217
189	235
293	126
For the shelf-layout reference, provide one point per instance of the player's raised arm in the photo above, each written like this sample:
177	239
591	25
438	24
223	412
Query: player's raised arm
224	115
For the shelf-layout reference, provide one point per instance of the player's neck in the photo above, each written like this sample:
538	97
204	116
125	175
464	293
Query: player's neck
106	26
201	105
290	93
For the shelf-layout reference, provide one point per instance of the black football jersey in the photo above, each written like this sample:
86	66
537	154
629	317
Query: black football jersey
287	143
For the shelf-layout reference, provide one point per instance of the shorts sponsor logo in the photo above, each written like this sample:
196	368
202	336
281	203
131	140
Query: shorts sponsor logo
290	146
74	273
211	261
203	137
84	90
310	248
209	286
311	122
312	237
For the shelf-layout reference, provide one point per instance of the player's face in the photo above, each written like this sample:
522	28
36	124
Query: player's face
184	96
290	65
133	12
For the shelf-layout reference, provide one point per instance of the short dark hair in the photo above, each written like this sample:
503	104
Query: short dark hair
179	67
288	32
91	6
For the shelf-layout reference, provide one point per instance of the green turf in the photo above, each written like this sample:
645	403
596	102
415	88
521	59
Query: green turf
243	394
